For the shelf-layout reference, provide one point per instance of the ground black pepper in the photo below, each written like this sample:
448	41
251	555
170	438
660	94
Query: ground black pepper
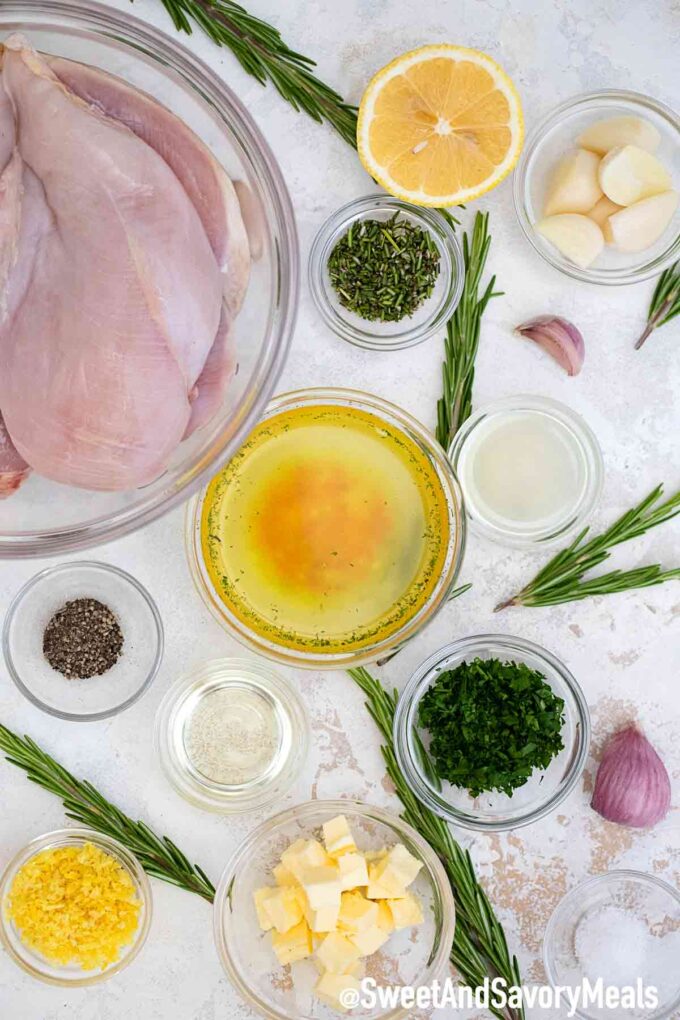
83	639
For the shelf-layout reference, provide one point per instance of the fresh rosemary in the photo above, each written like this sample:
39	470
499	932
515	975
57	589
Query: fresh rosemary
665	304
262	53
480	949
383	270
157	854
562	579
462	334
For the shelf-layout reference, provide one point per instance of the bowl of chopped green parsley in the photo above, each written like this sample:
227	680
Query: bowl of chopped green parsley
492	732
385	274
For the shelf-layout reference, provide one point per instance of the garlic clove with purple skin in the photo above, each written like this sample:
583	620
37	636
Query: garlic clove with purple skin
632	785
560	338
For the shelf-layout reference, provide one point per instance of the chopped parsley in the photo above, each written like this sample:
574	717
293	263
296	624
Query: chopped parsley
491	723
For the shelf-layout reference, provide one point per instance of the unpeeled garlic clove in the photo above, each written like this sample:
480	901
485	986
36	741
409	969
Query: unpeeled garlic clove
560	338
632	785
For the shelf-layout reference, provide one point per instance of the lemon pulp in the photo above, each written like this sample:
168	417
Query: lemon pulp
328	530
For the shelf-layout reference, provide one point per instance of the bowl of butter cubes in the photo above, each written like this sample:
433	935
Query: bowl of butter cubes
328	907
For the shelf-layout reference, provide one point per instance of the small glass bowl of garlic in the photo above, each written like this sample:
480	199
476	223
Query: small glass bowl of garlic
596	188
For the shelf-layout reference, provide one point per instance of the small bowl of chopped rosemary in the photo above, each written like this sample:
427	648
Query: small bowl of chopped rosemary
385	274
492	732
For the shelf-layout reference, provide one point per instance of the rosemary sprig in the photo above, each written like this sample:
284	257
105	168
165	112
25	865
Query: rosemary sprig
462	334
561	580
157	854
665	303
262	53
480	948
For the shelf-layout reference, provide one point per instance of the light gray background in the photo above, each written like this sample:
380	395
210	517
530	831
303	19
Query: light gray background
622	649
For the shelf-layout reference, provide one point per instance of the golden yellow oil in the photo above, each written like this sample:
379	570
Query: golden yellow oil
328	530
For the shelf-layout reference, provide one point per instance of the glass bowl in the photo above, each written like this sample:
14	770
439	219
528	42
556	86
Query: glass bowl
31	961
414	956
552	138
44	518
174	717
427	320
378	647
97	697
654	904
586	456
493	811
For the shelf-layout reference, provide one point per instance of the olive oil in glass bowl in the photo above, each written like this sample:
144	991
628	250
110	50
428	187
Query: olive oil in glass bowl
333	536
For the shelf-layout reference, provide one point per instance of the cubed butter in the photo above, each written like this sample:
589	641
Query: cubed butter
385	915
260	896
322	886
375	855
356	912
353	870
283	908
406	912
338	837
392	874
369	940
294	945
324	919
337	954
331	987
404	862
384	882
302	855
283	876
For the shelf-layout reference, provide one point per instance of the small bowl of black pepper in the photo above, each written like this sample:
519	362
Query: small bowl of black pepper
386	275
83	641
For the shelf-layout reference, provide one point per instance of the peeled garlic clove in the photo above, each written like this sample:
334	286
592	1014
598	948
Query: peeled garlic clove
576	236
573	186
629	174
601	212
639	225
560	338
605	135
632	785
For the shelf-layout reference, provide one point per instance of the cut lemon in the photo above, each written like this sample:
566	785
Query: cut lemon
440	125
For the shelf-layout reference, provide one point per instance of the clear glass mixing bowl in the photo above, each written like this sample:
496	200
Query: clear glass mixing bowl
44	518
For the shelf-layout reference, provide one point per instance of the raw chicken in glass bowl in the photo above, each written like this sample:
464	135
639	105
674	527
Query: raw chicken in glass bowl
142	341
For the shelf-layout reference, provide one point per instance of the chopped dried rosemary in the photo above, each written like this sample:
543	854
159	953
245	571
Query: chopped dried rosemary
384	269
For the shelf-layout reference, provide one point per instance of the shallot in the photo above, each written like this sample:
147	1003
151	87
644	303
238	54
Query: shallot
632	785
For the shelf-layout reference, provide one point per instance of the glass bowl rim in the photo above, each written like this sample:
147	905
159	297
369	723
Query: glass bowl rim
301	812
64	568
593	881
622	276
270	680
171	56
419	434
428	219
588	441
474	644
74	837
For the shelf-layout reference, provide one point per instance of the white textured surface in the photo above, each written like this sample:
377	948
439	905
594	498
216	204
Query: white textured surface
624	650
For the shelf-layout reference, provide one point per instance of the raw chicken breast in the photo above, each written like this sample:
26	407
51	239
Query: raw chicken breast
114	300
197	170
13	468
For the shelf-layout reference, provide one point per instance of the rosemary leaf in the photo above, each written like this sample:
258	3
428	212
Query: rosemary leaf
562	578
665	303
262	53
480	948
462	334
84	804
